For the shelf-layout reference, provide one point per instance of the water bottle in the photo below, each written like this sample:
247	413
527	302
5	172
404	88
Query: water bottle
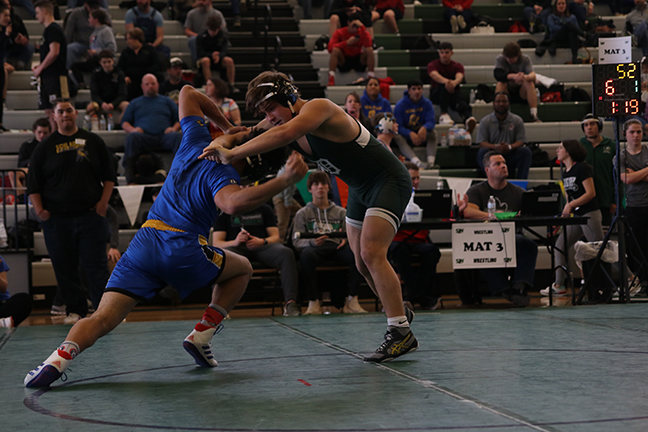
444	141
87	125
491	207
451	139
102	123
94	122
538	94
473	96
111	123
439	184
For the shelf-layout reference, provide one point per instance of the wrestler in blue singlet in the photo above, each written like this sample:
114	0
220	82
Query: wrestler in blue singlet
171	248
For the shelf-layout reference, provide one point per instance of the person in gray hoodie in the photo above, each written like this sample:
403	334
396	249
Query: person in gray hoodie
324	217
102	38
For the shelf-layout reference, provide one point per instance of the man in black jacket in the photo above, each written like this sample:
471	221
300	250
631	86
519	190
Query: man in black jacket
108	87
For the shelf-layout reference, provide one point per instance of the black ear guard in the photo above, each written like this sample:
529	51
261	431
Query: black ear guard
591	117
282	91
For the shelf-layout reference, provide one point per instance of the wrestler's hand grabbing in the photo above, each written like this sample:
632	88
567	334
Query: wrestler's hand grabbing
296	168
236	129
218	150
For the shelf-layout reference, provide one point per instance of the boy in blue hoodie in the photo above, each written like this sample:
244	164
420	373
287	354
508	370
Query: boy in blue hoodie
415	116
372	102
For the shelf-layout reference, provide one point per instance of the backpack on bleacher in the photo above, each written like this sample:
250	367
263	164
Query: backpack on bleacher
321	43
485	93
576	94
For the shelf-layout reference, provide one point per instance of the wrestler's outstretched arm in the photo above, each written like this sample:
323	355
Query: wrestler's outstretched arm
311	116
193	103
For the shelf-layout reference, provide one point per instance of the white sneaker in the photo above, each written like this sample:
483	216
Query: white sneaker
72	318
314	308
445	119
556	290
58	310
8	322
351	305
461	21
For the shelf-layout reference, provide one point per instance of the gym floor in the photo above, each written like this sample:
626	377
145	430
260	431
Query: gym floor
501	369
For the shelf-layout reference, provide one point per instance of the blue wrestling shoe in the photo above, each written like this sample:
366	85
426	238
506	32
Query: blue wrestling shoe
198	345
48	372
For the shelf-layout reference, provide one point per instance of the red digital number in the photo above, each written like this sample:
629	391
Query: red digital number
609	88
632	106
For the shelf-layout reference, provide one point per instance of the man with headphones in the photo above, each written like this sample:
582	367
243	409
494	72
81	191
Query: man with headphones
600	152
171	247
379	184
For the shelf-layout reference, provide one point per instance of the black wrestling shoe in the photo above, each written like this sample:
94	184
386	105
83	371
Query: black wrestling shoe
398	341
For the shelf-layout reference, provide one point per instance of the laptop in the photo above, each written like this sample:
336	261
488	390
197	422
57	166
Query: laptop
435	203
541	203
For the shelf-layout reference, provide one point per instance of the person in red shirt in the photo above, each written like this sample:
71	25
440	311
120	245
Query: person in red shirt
459	14
351	48
389	10
417	283
446	76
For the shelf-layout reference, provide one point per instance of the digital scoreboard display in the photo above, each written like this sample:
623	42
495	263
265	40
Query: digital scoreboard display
616	89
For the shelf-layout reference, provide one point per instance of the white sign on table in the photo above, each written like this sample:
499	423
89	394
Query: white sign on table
483	245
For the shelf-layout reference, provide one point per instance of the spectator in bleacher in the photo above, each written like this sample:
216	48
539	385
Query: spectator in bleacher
20	50
341	12
71	178
563	27
581	201
446	77
151	122
145	168
351	48
504	132
196	23
581	10
41	129
634	174
151	22
508	198
108	87
600	154
52	70
172	85
102	38
255	235
415	116
372	102
637	25
322	217
514	74
385	128
458	14
352	107
217	90
211	48
137	60
536	12
419	283
14	309
391	11
78	30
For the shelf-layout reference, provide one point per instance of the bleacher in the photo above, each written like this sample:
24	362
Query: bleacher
398	57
